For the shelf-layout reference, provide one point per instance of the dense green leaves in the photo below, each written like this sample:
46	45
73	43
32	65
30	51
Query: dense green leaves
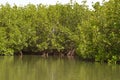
70	28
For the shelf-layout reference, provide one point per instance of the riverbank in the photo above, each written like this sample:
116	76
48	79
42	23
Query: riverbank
63	55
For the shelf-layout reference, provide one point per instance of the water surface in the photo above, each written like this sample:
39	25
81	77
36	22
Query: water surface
53	68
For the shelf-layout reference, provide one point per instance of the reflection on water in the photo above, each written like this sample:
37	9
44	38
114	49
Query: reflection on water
38	68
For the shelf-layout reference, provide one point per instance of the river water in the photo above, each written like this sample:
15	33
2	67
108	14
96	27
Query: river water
54	68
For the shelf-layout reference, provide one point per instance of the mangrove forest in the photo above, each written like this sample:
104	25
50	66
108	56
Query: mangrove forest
70	29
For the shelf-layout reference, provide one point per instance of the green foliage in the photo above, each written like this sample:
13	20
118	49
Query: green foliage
99	36
93	34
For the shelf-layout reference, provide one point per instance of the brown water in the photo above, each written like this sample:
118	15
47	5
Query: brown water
52	68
